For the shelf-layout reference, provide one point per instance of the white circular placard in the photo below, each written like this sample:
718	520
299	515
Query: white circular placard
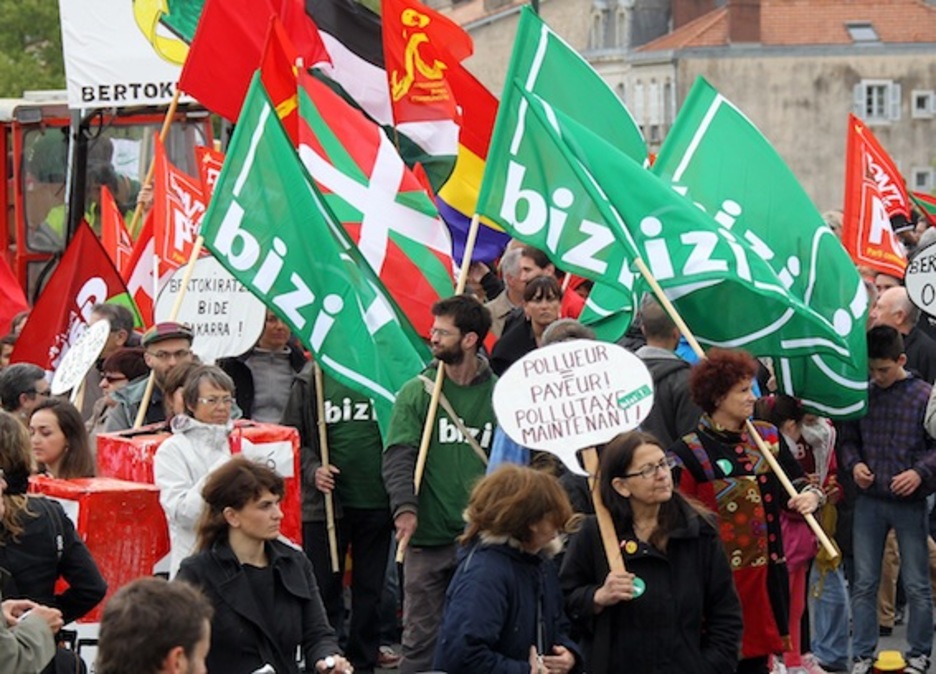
572	395
226	317
80	357
920	280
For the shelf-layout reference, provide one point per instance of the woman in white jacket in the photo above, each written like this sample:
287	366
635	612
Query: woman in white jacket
199	444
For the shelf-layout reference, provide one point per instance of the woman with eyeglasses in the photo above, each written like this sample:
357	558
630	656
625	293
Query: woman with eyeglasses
674	610
721	465
60	441
118	370
199	445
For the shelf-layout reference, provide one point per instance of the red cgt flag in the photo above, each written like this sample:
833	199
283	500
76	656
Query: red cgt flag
85	276
874	192
178	207
114	235
420	46
209	168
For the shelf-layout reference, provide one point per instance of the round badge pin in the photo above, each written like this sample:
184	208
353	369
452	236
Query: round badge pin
725	465
639	587
630	547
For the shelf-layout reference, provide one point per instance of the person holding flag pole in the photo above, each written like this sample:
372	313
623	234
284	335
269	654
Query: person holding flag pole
429	486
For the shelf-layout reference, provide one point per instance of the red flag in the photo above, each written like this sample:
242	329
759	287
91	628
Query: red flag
209	168
874	192
303	33
114	235
227	47
85	276
420	45
278	74
139	273
12	298
178	207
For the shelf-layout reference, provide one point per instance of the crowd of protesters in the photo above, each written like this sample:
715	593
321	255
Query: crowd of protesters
504	565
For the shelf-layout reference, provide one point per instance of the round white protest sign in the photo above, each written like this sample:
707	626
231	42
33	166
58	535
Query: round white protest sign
921	280
573	395
80	357
225	316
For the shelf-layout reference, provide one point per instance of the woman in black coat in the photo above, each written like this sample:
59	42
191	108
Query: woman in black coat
38	543
675	609
264	594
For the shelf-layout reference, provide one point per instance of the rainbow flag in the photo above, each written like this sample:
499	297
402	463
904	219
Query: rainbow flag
457	199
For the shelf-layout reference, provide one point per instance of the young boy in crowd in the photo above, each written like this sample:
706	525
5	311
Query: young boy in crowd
893	462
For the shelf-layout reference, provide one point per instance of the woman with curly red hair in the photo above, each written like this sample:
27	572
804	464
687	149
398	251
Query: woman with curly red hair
721	465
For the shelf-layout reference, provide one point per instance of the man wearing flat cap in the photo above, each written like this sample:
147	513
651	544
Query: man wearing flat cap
165	345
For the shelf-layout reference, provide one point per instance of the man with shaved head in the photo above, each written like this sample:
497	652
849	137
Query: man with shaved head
894	308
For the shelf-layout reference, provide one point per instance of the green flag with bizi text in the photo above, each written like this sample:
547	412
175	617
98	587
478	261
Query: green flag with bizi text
727	294
721	162
269	226
547	66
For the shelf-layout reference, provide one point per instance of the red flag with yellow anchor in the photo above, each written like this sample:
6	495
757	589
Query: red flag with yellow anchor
420	45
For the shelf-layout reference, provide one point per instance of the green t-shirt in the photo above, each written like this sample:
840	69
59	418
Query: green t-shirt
355	447
452	466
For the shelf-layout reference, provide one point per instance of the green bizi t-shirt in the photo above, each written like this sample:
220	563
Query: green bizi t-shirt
355	447
452	466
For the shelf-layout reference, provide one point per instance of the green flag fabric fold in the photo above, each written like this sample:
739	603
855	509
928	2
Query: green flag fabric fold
720	161
270	227
724	290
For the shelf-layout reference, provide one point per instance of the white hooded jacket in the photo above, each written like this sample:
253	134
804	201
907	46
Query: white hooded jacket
180	468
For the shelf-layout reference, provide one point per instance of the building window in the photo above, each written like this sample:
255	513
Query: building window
639	110
668	104
877	101
621	91
922	179
923	104
653	103
862	31
621	33
602	28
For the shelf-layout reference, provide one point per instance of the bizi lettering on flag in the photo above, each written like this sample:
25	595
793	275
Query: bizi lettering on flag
715	157
306	269
874	193
544	64
697	263
377	198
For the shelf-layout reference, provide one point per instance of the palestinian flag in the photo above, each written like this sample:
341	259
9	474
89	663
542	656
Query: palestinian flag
353	37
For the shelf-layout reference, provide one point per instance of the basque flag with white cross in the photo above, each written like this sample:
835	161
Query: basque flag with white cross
381	204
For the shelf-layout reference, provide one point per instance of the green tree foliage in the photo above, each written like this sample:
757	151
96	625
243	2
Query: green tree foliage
30	47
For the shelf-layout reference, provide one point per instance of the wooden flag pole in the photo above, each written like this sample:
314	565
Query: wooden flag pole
323	449
163	132
440	377
609	538
176	307
761	445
